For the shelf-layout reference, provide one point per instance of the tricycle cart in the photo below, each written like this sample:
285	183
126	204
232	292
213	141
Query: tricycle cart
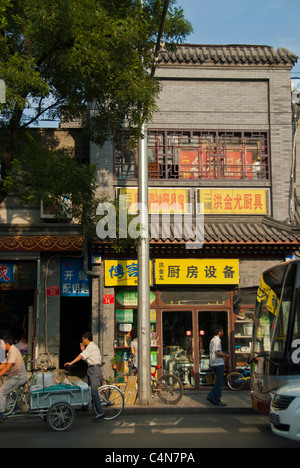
57	403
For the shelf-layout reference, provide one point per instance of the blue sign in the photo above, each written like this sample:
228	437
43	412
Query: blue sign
7	272
74	281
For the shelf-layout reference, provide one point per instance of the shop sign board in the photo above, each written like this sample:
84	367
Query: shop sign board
233	201
161	200
197	271
74	281
7	272
129	297
122	272
124	316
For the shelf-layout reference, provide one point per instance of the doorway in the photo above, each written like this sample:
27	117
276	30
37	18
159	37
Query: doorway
75	320
16	316
186	336
178	350
207	320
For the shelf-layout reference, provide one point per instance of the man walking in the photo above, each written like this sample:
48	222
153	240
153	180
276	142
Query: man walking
91	354
217	365
15	368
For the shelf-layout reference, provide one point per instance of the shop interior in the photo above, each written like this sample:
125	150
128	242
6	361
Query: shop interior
180	343
16	308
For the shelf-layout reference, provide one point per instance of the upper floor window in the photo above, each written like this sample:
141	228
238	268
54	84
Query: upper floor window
226	155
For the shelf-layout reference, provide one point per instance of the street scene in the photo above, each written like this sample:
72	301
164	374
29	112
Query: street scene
149	226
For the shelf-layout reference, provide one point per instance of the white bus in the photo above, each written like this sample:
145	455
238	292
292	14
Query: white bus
275	359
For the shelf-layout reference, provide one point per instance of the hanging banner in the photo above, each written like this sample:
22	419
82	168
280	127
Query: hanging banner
197	271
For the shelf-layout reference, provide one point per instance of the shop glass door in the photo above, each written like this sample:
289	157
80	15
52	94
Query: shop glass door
178	346
206	322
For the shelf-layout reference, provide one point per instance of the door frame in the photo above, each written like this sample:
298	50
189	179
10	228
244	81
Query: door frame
195	321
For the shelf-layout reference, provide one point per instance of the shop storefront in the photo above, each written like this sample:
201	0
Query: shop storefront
187	298
18	302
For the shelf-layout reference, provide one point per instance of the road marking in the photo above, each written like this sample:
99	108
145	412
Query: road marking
191	430
250	430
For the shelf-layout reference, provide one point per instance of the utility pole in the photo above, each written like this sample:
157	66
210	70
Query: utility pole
2	92
143	318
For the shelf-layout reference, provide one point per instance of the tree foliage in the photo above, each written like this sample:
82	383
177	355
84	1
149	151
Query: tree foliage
79	52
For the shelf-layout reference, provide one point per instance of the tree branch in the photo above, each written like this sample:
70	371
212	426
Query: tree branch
42	111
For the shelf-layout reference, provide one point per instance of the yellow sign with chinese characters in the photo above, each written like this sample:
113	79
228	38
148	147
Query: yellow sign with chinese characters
161	200
197	271
265	293
122	272
234	201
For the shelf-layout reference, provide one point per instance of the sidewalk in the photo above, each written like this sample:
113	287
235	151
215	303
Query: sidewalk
194	402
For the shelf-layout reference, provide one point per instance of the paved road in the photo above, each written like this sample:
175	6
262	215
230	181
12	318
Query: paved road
187	432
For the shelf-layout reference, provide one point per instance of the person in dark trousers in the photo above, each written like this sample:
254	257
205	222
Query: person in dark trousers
91	354
217	364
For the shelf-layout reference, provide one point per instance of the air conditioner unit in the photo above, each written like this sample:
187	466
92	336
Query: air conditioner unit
49	209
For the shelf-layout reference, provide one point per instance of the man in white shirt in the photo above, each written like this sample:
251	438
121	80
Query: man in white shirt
15	368
217	365
91	354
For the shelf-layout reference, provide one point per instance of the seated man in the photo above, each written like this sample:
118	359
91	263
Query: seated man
15	368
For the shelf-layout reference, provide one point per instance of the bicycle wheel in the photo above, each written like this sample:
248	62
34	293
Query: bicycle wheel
235	381
169	389
60	417
112	401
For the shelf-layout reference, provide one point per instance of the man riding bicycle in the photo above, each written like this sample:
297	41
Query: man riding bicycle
15	368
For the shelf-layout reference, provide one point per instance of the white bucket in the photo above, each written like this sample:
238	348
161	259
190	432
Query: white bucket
45	379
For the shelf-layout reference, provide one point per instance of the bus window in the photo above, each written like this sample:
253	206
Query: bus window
284	318
268	300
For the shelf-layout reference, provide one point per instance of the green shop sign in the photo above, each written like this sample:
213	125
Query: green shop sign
129	297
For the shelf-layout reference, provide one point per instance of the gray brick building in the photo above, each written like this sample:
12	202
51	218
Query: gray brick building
222	136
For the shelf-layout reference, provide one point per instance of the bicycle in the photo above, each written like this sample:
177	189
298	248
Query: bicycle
238	379
168	387
111	397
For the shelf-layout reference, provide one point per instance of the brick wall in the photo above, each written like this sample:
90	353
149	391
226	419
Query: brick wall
234	99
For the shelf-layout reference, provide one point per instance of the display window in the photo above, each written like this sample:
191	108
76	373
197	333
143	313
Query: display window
126	328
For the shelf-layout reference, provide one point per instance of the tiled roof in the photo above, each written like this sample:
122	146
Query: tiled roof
227	54
234	230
